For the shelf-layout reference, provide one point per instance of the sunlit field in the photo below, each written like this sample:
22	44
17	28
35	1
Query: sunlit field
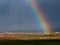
29	36
21	38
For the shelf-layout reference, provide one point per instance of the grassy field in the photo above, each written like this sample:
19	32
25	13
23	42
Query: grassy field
25	36
29	39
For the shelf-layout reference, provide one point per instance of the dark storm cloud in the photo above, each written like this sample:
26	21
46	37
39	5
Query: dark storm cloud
17	15
51	9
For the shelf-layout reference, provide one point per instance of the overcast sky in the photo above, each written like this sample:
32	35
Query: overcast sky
17	15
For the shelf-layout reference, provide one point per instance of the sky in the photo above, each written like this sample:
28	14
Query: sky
17	15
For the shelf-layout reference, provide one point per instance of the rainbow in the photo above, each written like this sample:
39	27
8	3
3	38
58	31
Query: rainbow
40	15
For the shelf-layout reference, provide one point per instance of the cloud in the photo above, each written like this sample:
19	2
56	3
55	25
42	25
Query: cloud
19	27
17	15
3	2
